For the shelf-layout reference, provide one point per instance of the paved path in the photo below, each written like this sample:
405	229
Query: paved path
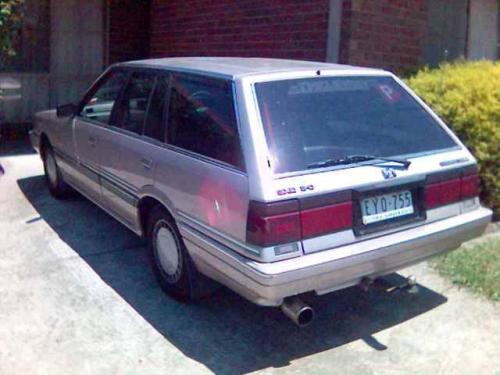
77	296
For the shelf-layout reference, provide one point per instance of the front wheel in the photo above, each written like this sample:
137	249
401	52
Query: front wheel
55	181
172	264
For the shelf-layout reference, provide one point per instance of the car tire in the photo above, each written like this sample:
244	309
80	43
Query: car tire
57	187
172	265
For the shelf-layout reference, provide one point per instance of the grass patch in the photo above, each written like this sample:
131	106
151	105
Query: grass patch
475	265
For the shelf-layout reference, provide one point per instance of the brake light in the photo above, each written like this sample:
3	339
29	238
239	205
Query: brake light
447	192
283	222
442	193
323	220
470	186
272	224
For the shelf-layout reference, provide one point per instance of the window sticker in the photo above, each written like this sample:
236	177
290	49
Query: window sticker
326	85
389	94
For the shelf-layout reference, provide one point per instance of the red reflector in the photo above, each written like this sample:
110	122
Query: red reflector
323	220
470	186
442	193
272	230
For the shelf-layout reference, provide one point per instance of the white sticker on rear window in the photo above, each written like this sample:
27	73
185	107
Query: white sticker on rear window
389	93
319	86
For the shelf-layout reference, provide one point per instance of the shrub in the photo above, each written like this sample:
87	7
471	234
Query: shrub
466	95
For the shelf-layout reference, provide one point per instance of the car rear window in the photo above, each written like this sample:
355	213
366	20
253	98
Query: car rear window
308	121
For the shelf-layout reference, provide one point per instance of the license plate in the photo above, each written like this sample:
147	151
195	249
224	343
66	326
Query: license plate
387	206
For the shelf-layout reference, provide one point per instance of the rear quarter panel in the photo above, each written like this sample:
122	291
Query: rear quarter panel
202	191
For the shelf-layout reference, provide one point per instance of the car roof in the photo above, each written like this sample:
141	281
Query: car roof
237	67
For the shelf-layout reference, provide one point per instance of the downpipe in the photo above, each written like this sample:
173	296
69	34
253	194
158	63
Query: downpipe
300	313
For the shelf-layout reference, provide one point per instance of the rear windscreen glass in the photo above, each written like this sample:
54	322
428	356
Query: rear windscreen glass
307	121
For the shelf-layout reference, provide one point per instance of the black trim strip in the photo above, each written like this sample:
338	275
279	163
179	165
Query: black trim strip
451	174
89	172
123	194
264	209
326	199
103	178
118	182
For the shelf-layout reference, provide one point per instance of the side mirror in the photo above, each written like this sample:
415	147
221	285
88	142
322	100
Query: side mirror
66	110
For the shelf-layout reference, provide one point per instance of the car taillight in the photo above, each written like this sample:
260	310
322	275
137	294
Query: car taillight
283	222
470	186
442	193
272	224
323	220
447	192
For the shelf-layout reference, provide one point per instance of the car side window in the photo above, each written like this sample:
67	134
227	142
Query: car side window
101	102
155	126
131	113
201	118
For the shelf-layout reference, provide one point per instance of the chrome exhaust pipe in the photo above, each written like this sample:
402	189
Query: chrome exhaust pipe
300	313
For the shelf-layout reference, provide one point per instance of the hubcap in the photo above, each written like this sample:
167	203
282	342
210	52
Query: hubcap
51	169
168	252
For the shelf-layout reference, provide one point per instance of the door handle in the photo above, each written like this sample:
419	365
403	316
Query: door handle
146	163
92	141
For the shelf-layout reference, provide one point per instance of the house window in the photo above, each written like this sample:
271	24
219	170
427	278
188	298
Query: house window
446	31
483	30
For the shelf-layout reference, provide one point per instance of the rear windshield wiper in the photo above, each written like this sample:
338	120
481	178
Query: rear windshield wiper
351	159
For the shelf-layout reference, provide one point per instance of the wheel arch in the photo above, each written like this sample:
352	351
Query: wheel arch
144	207
44	144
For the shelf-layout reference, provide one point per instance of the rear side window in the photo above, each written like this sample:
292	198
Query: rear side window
132	110
201	118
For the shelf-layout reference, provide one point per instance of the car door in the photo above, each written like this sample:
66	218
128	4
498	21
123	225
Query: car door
128	158
89	127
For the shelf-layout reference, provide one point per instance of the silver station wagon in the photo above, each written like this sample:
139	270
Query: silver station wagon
272	177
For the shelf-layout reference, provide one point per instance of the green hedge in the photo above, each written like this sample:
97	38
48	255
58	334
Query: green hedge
467	97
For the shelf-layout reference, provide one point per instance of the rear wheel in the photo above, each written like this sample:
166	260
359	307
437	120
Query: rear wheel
55	181
172	264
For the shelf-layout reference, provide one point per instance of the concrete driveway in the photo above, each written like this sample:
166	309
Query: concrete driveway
77	296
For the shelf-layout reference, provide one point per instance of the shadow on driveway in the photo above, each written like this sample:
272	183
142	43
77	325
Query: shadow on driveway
224	332
15	148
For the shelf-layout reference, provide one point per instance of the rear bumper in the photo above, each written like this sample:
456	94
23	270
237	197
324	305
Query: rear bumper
269	283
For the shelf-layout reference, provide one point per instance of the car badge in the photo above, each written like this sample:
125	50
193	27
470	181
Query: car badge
389	173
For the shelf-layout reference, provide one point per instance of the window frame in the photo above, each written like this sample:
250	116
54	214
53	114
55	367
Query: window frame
95	87
120	101
169	74
241	168
166	98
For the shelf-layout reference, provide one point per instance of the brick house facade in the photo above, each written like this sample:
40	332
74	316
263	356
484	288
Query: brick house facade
386	33
394	34
65	44
266	28
382	33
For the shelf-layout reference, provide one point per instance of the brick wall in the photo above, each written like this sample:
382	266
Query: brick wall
266	28
383	33
129	25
